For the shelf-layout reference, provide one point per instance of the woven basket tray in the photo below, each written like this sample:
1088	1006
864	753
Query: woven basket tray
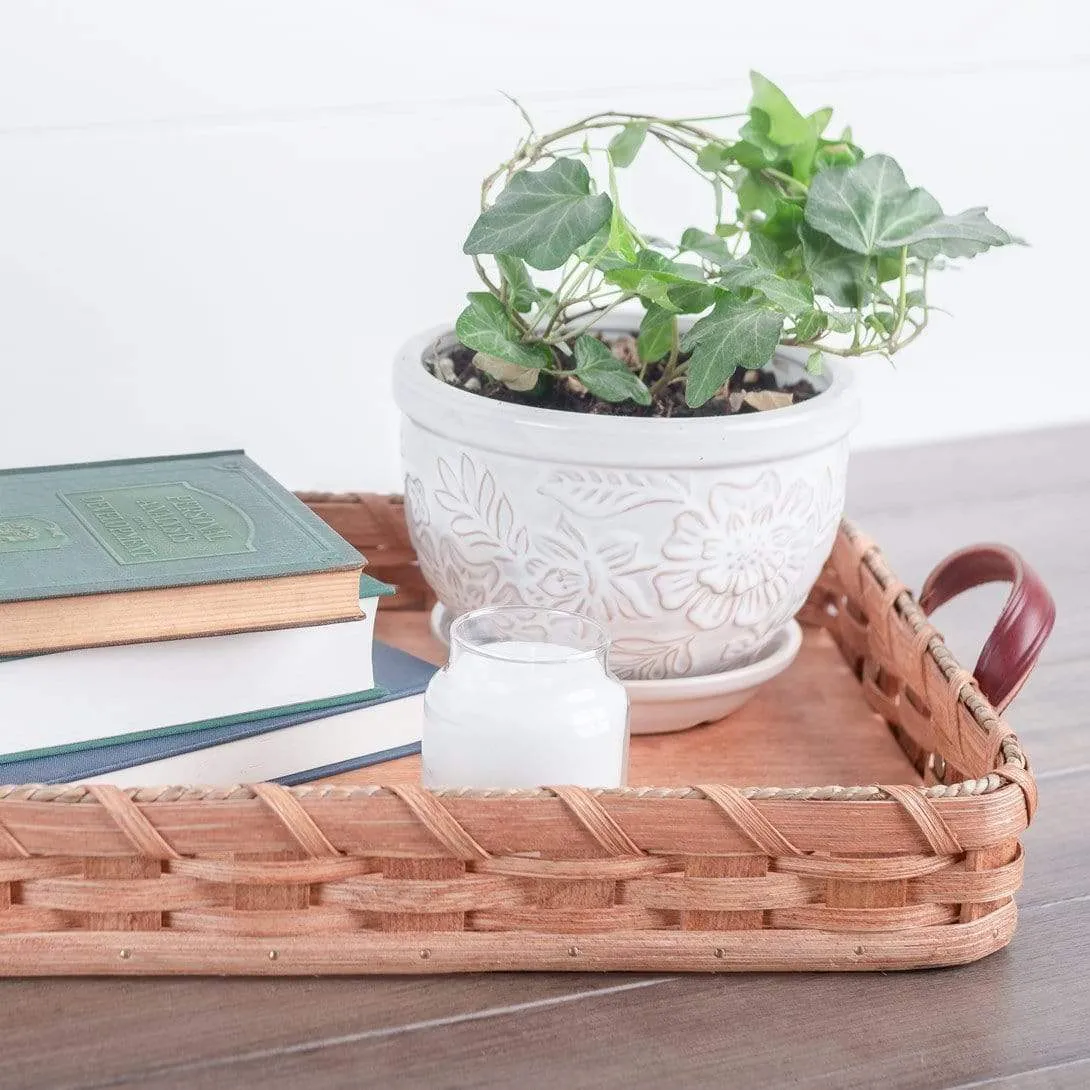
360	878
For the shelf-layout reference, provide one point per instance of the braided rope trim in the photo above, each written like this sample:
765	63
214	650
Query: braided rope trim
1014	759
77	793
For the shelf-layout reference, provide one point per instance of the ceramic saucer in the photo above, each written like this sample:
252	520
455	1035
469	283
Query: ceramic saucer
658	707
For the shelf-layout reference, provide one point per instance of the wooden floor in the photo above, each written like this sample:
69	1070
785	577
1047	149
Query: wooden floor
1019	1020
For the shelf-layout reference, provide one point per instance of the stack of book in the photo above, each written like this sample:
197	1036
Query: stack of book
188	620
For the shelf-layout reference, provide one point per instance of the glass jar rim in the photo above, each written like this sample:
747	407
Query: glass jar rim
599	646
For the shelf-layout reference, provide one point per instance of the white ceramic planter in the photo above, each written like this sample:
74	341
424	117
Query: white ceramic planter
694	541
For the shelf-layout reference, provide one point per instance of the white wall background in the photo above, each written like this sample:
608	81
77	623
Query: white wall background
219	218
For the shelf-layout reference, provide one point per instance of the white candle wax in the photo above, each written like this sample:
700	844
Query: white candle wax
520	713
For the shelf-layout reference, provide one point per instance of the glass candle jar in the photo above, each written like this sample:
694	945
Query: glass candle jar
526	699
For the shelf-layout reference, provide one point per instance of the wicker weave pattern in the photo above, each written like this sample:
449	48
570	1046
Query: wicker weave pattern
709	877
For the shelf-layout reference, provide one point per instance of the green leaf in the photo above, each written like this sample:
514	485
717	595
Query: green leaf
840	322
965	235
835	272
521	293
707	246
542	216
712	157
868	207
783	225
814	362
652	275
597	251
621	241
786	126
624	146
735	334
657	331
485	326
763	251
810	324
605	376
751	155
790	296
692	298
755	133
882	322
754	194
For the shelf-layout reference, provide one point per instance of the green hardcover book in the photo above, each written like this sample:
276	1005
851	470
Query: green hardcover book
162	548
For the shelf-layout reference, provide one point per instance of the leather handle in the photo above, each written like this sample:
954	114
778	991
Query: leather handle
1027	617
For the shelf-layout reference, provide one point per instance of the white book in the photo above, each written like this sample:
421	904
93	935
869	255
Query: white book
293	747
72	699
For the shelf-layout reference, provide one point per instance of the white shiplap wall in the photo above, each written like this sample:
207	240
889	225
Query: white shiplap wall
219	218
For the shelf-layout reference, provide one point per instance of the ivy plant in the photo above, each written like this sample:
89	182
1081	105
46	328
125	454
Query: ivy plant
809	242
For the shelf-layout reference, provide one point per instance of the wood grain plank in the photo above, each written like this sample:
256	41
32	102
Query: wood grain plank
766	1031
69	1033
970	470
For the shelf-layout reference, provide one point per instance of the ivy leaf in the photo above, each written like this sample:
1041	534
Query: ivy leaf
651	276
787	127
485	326
815	363
869	207
708	246
691	297
790	296
621	240
713	156
755	134
965	235
754	194
835	272
627	143
810	324
521	293
751	155
786	124
597	251
542	216
882	322
782	226
735	334
763	251
605	376
840	322
656	336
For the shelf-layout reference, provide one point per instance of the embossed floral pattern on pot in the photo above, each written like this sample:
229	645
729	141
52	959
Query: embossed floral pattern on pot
596	578
736	559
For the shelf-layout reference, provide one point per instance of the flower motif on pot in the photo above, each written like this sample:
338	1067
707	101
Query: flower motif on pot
459	582
416	503
651	660
740	556
593	578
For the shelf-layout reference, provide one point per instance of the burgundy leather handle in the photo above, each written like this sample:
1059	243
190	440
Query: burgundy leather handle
1012	650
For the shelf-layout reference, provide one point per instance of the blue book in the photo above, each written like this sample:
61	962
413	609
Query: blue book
292	748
